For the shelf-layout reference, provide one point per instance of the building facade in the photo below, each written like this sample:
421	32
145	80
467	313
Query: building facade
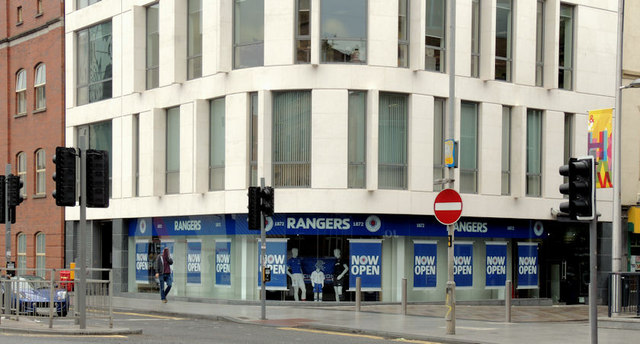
32	125
342	107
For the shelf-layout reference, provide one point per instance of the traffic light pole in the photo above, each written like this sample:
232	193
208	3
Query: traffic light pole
7	221
83	144
263	263
593	280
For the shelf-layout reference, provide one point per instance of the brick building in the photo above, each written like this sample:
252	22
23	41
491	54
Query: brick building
32	125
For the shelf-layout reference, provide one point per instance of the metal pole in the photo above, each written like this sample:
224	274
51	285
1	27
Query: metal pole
358	293
593	281
110	298
83	145
263	263
507	301
404	296
51	303
451	285
450	317
616	232
7	240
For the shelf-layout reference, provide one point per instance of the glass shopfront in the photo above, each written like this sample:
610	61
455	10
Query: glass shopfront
320	256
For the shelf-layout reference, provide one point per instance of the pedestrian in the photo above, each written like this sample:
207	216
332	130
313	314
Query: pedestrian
163	273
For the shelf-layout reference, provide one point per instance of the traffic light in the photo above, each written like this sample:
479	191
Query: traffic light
580	188
254	207
65	176
97	178
267	206
2	200
14	184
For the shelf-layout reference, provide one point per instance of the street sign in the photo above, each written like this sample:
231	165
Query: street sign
450	153
447	206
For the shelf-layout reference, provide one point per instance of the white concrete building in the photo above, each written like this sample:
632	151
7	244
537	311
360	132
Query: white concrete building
342	107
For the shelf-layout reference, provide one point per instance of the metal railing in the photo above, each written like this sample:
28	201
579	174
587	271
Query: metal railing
629	293
30	291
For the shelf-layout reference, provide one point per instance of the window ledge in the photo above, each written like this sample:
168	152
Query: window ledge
39	111
39	196
19	23
20	115
39	14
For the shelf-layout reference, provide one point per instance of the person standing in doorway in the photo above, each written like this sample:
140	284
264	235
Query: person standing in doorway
163	273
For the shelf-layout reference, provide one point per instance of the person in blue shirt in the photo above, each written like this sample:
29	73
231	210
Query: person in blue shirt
294	271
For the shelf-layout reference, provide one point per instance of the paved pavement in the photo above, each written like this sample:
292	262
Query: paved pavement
474	324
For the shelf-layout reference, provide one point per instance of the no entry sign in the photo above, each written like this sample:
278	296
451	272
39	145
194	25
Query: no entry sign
448	206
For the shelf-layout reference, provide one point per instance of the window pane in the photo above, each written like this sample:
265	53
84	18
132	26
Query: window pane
534	152
503	40
435	35
468	147
248	33
100	138
41	75
194	39
357	139
539	42
392	141
343	27
438	142
475	38
403	34
153	46
292	139
253	157
216	144
21	81
506	150
566	48
173	150
40	172
94	64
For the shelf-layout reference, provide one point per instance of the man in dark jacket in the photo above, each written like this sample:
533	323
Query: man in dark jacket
163	273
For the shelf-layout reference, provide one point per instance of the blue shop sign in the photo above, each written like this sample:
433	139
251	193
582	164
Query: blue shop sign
353	225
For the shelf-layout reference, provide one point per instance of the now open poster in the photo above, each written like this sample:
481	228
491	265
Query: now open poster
223	262
365	261
425	262
276	258
496	268
194	262
463	264
528	266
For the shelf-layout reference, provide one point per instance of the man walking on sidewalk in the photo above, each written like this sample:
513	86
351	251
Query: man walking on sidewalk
163	273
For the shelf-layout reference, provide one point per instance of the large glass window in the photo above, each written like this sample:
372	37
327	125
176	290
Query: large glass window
534	153
253	136
94	64
292	139
435	35
248	33
39	85
392	141
216	144
565	72
21	92
85	3
403	33
357	139
475	38
469	147
21	163
100	139
41	172
194	40
22	254
503	39
540	43
343	31
438	143
41	245
506	150
153	46
303	31
173	151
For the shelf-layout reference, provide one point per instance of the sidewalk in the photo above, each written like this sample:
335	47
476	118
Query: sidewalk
474	324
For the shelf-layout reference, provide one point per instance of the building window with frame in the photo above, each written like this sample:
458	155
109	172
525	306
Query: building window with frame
565	72
438	143
21	92
100	138
39	9
41	247
291	149
343	31
94	66
303	31
534	153
22	253
248	33
253	136
194	39
568	139
173	151
41	172
357	133
506	151
19	15
540	43
475	38
403	33
136	154
21	167
39	85
504	30
435	35
392	141
216	144
468	147
84	3
153	46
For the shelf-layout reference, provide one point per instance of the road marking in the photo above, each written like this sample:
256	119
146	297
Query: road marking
354	335
149	315
61	335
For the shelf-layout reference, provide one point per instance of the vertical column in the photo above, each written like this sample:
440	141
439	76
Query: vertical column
187	147
200	163
372	139
487	39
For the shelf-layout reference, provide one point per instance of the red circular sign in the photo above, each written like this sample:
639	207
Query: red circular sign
448	206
